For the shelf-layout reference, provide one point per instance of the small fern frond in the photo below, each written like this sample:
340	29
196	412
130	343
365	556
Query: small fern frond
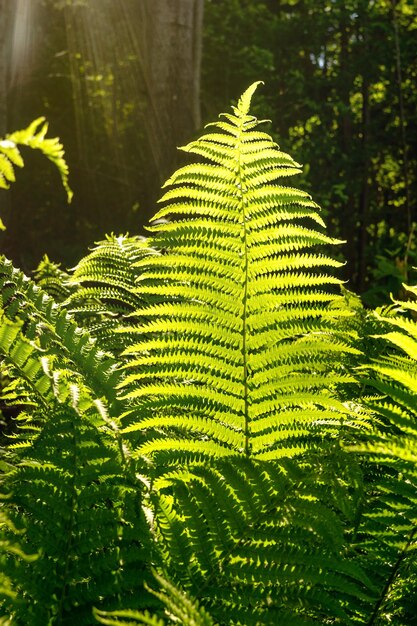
34	136
52	279
179	607
240	350
128	618
103	297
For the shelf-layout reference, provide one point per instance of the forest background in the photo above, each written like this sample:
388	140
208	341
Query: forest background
123	82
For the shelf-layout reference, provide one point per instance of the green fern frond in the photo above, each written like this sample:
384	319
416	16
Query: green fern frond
52	279
34	136
70	479
9	548
48	327
180	608
259	543
103	297
128	618
389	528
241	350
84	517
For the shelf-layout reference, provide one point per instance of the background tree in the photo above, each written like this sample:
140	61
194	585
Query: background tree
332	85
119	82
170	56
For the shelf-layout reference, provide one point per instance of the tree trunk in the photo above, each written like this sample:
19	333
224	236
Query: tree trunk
345	140
4	64
364	196
5	6
403	127
170	46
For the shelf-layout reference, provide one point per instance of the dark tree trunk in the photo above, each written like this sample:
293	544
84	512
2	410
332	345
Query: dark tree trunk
404	147
4	64
5	25
345	137
171	54
364	196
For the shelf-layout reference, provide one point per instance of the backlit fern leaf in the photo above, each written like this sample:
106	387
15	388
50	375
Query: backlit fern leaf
240	354
260	543
103	295
72	483
389	528
34	136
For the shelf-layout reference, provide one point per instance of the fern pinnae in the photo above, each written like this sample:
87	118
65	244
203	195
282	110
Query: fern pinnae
388	526
249	523
223	289
103	294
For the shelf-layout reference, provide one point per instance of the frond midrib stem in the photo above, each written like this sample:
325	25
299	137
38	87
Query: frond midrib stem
71	525
247	450
384	593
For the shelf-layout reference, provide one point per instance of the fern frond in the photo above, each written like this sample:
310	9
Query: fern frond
71	480
103	296
259	543
34	136
389	527
47	326
84	518
9	548
242	331
180	608
52	279
119	618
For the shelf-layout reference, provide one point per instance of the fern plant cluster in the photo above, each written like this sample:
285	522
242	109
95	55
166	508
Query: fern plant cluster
211	429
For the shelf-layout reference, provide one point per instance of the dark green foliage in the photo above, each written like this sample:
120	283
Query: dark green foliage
235	530
81	512
249	458
70	483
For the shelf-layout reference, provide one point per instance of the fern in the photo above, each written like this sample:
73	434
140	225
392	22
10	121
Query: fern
241	354
81	513
52	279
103	297
239	367
194	445
390	526
70	480
54	329
34	136
179	608
8	549
261	543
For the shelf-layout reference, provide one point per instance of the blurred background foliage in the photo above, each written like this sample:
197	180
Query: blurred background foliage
122	82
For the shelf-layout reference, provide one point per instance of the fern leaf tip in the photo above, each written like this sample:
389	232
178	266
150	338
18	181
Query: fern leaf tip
246	97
